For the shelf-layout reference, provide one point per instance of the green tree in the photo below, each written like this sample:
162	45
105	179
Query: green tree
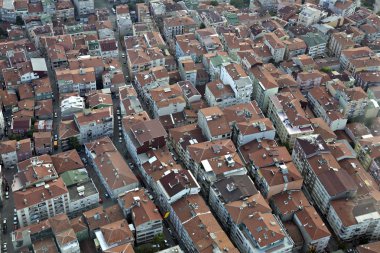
202	25
74	143
214	3
19	20
326	69
159	239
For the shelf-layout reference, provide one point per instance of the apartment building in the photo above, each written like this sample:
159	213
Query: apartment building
114	235
253	129
129	102
340	41
124	21
294	47
187	69
64	234
142	134
41	202
235	76
368	152
146	219
80	80
43	143
71	105
183	136
214	124
272	169
310	15
8	153
289	118
84	7
110	166
219	94
197	152
82	191
247	217
353	219
327	107
142	59
313	230
347	55
316	43
264	85
319	169
153	78
276	46
198	229
174	26
176	184
166	100
93	124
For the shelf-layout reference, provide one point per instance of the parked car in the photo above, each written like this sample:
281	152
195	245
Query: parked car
5	226
4	247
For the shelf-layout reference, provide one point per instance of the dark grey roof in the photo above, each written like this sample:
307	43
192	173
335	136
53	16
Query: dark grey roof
234	188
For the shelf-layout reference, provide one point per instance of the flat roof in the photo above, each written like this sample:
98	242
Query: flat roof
38	64
87	188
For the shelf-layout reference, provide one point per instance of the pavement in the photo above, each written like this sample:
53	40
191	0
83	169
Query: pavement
7	211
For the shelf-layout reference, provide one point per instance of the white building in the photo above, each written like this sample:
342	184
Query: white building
276	46
357	218
310	15
235	76
327	107
255	129
123	20
8	153
72	105
288	117
315	233
143	213
94	124
177	184
2	123
214	124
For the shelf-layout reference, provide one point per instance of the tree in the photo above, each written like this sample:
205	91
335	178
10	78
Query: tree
202	25
19	20
326	69
159	239
214	3
74	143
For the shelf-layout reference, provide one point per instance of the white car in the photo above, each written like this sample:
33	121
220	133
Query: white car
7	194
